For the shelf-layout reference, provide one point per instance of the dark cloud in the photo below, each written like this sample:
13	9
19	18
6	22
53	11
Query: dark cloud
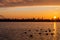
6	3
1	0
1	16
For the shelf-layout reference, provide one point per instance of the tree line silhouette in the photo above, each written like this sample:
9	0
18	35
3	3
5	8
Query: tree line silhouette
30	20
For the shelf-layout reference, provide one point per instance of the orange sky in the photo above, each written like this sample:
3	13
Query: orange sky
30	11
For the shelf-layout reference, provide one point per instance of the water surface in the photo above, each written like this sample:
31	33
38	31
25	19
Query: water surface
29	30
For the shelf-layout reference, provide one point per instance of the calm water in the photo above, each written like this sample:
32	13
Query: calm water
29	30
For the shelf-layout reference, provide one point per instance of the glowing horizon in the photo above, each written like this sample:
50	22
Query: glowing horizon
30	11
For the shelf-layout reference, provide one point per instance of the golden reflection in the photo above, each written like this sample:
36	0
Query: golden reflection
55	30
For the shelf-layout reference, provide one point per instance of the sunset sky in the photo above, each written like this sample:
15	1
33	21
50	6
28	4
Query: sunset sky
29	8
30	11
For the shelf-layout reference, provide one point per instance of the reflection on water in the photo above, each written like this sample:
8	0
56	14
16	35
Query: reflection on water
55	30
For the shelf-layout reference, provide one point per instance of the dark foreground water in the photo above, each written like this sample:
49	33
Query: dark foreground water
29	30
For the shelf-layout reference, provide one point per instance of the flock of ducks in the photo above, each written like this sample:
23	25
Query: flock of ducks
41	32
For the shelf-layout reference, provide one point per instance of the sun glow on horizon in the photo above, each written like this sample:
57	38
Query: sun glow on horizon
55	17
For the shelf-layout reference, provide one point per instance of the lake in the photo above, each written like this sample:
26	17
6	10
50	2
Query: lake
29	30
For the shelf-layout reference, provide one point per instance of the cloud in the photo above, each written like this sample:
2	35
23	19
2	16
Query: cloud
6	3
1	16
